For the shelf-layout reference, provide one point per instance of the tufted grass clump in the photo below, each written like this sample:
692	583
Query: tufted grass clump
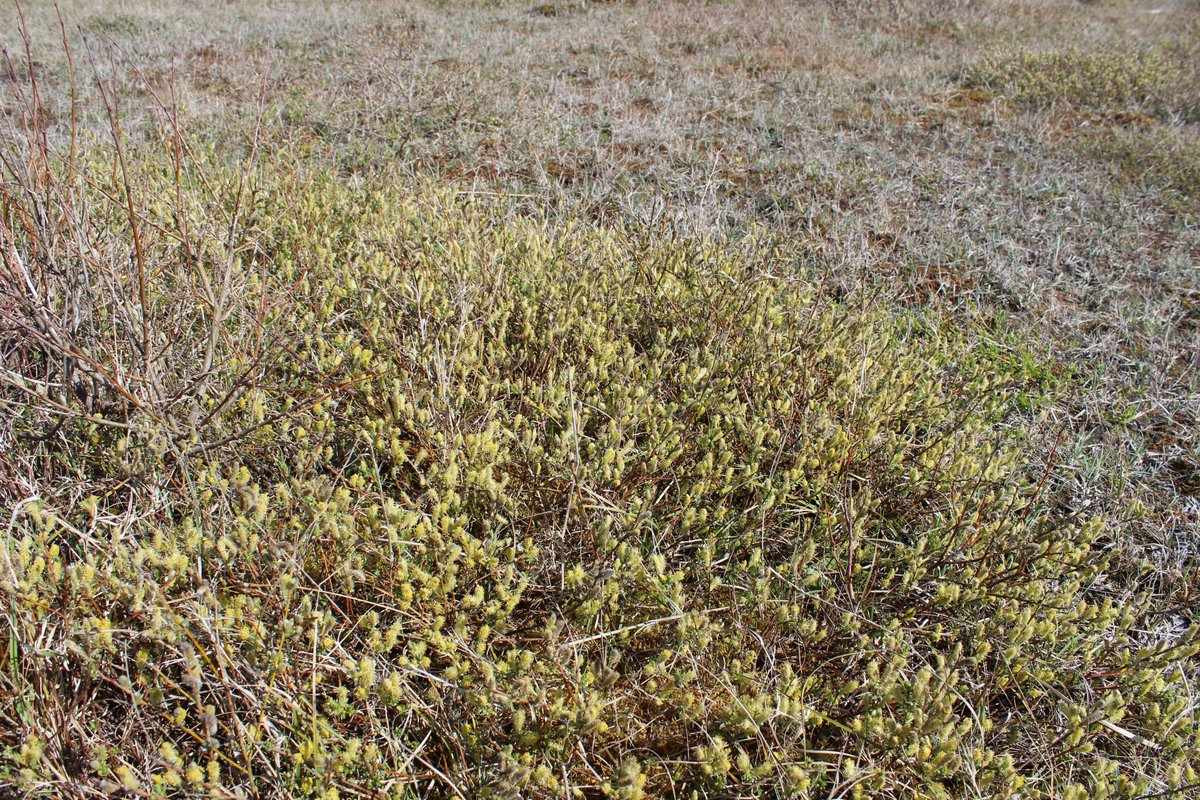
470	505
1160	81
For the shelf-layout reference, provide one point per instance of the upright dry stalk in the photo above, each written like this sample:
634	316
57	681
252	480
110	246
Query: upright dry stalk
126	301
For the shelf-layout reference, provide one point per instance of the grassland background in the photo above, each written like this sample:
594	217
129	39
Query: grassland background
1026	175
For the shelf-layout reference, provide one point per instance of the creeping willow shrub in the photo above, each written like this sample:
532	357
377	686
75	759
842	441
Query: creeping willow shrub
527	511
1161	81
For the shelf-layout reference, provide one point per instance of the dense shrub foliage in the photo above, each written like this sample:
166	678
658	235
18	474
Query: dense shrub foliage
454	503
1160	81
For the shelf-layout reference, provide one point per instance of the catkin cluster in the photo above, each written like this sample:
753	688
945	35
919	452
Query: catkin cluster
520	510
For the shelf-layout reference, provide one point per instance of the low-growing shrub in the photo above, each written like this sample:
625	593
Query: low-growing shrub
513	510
1155	159
317	487
1161	81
